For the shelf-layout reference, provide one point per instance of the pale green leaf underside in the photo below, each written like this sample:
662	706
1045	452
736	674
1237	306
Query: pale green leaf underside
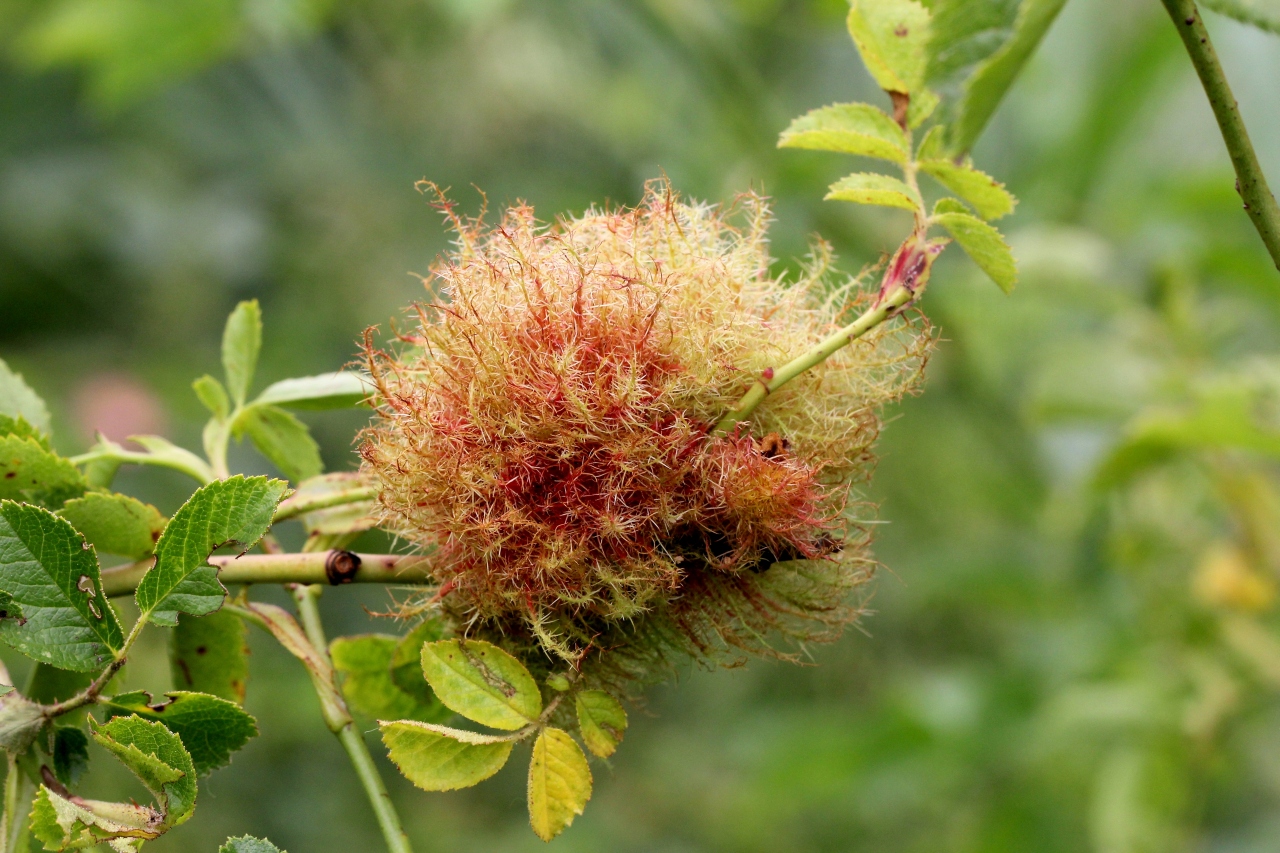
438	758
51	591
210	728
891	36
18	400
601	721
115	523
326	391
984	245
987	195
234	512
870	188
482	683
859	129
559	783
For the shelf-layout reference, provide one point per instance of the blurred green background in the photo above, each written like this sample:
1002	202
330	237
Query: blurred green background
1074	644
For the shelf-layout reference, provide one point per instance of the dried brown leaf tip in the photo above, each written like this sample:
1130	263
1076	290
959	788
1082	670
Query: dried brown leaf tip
546	434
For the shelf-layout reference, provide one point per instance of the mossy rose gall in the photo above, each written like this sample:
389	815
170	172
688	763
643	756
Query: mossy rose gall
546	432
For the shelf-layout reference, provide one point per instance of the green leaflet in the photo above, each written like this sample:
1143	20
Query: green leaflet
891	36
283	439
859	129
241	342
70	754
987	195
30	472
159	760
438	758
210	654
933	145
601	721
482	683
559	783
115	523
247	844
61	824
991	79
870	188
18	400
984	245
922	105
210	728
406	665
19	426
213	396
51	596
234	512
1263	14
963	34
327	391
368	686
948	205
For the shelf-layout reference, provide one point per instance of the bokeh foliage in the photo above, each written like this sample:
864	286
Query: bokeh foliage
1076	646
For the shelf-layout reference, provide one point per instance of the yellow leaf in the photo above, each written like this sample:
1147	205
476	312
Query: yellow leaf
438	758
559	783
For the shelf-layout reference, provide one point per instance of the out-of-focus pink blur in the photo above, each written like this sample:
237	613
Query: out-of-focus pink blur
118	406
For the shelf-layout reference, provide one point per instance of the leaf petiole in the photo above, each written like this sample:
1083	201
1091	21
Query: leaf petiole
352	741
303	504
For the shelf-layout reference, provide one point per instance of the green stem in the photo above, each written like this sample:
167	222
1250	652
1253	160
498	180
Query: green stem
772	379
193	467
1251	183
322	567
351	739
302	504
